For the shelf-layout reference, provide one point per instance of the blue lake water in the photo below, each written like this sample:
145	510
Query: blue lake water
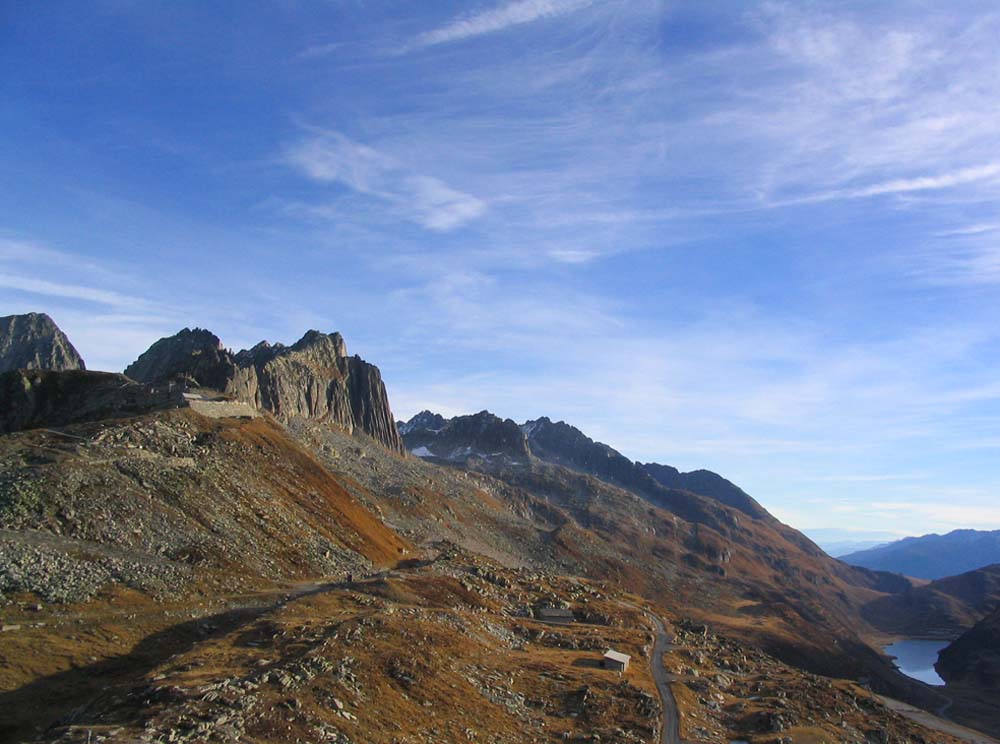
916	659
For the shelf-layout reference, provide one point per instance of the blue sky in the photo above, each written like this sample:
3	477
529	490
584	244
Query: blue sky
760	238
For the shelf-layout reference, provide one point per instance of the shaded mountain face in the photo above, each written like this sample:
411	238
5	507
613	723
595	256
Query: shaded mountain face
974	657
480	435
941	608
314	378
35	398
932	556
34	341
195	355
706	483
484	434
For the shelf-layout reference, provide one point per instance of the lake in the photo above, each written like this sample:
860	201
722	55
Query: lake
916	659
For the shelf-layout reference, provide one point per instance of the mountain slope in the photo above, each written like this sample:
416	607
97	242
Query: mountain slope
192	498
102	518
34	341
485	435
974	657
941	609
608	518
706	483
932	556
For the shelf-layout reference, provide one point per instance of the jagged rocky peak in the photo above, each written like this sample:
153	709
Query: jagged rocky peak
313	378
34	341
433	422
482	435
314	339
196	355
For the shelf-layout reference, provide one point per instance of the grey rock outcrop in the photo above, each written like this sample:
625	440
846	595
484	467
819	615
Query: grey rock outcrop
34	341
314	378
32	398
195	355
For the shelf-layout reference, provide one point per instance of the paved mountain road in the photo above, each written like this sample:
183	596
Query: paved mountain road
670	728
670	725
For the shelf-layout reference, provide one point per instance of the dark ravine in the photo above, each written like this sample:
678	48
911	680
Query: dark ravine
940	609
34	341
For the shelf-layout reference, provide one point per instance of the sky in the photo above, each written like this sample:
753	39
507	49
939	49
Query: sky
758	238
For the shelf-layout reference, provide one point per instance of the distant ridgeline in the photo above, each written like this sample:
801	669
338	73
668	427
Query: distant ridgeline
486	436
932	556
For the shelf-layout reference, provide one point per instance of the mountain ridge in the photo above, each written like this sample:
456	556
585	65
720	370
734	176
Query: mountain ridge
313	378
431	435
933	556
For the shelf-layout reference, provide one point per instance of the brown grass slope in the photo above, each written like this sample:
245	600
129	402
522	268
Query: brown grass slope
180	492
757	579
444	652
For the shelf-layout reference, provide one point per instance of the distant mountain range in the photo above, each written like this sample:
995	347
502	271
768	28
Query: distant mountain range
488	437
837	541
932	556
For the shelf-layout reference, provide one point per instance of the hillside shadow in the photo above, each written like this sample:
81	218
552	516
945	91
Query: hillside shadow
113	690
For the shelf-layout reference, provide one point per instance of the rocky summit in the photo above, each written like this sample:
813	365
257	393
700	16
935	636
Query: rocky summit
34	341
313	378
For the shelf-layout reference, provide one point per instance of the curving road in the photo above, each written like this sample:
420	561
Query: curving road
670	725
670	728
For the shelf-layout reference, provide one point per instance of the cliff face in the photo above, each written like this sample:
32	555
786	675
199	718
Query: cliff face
314	378
34	341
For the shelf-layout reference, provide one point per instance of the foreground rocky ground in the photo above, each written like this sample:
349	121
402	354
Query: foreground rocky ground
443	650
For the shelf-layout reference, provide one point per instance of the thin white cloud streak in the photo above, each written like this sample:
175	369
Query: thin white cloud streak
334	158
959	177
976	229
497	19
70	291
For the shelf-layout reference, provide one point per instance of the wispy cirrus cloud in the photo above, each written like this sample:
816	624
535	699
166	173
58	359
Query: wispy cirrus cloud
331	157
47	288
497	19
951	179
